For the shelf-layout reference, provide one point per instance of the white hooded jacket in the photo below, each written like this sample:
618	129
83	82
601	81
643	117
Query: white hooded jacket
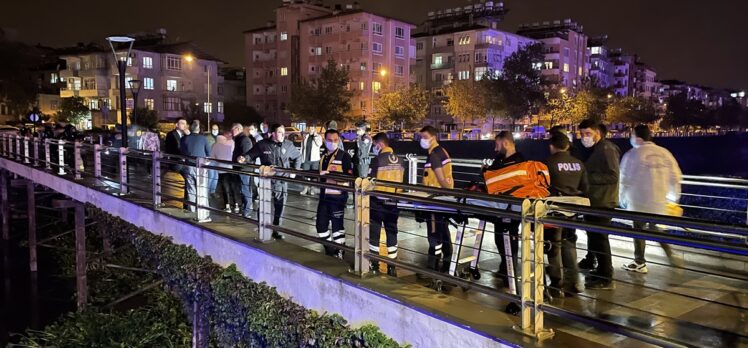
650	178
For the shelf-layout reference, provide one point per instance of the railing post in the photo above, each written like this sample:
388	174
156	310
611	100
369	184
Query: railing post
77	160
61	157
97	160
18	147
156	178
123	189
412	168
201	191
35	141
525	290
26	156
47	155
538	279
265	193
361	223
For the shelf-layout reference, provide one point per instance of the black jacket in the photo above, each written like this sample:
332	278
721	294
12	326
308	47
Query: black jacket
602	173
568	175
501	162
272	153
242	145
172	143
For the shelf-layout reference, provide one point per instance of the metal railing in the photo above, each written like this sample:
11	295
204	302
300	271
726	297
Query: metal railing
118	169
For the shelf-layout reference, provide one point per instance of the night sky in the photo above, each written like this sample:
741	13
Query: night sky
702	42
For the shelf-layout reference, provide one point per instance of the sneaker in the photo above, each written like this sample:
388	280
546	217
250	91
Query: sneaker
304	191
587	264
236	209
228	208
374	267
600	285
278	236
636	267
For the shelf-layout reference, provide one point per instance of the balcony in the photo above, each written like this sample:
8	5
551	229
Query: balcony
444	65
68	73
93	93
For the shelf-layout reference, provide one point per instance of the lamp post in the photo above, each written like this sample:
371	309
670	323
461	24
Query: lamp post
135	90
121	60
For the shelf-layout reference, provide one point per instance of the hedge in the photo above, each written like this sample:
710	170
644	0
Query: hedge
230	310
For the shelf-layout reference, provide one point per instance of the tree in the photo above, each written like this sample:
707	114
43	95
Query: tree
326	98
238	112
18	83
683	112
631	111
466	100
516	92
728	114
145	118
407	105
72	110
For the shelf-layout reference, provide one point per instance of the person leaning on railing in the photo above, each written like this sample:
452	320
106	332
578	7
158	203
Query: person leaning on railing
331	206
437	172
172	147
568	178
194	145
241	182
385	166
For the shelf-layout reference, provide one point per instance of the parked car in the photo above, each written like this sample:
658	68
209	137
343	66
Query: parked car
348	134
293	134
471	134
8	129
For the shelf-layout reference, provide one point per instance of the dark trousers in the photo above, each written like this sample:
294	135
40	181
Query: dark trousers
640	246
246	193
598	245
562	256
280	193
440	242
229	188
380	214
502	227
330	211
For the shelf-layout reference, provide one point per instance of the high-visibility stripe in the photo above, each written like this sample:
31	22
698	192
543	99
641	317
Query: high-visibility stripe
392	255
324	234
392	248
506	176
427	165
374	248
448	160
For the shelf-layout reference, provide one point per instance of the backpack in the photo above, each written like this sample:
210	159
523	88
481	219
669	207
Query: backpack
529	179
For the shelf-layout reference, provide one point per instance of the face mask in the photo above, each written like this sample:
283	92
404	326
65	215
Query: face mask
425	144
634	143
264	129
331	146
360	132
376	150
214	132
588	142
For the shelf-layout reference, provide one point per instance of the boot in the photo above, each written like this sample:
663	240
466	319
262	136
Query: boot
433	262
374	267
446	262
391	271
278	236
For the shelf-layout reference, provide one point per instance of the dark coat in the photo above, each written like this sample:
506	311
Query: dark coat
195	145
603	174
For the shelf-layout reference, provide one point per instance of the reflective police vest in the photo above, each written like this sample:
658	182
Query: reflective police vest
332	164
429	177
388	167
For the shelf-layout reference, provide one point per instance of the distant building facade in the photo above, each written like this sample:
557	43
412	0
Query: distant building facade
376	50
601	68
567	60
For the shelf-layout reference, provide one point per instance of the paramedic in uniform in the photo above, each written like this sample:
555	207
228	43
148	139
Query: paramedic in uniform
331	205
386	166
437	172
506	155
278	152
568	178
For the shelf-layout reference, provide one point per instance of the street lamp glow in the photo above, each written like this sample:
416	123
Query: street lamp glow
383	73
563	91
189	58
120	39
610	96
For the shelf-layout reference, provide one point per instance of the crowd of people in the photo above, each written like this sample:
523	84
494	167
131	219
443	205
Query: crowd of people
646	179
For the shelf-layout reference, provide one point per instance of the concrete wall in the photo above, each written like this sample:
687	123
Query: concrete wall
308	287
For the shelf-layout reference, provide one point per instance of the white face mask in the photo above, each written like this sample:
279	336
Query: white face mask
331	146
588	142
214	132
376	150
634	143
425	144
360	132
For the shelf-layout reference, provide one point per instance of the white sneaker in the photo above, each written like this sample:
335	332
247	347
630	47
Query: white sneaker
227	209
636	267
304	191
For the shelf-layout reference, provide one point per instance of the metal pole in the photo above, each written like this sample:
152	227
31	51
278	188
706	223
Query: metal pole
18	147
47	155
80	255
5	207
61	157
265	214
31	213
201	191
26	157
526	269
123	171
210	109
97	160
361	230
122	67
538	279
77	160
156	175
35	141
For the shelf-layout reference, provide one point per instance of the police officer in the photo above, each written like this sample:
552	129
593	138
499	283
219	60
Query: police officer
386	166
331	205
362	156
568	178
278	152
437	173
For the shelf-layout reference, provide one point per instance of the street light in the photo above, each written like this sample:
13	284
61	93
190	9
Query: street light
190	58
610	96
135	90
563	91
121	60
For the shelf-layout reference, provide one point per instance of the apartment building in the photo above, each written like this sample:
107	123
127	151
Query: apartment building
174	79
631	77
460	44
567	59
601	67
376	50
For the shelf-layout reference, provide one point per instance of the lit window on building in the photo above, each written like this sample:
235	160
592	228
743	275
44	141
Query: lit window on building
566	67
363	66
463	75
438	60
149	103
148	83
147	63
76	84
376	86
464	40
580	71
219	106
171	85
54	78
283	36
173	63
596	50
284	71
93	104
207	107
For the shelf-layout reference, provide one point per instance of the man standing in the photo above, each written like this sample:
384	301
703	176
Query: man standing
331	206
602	174
194	145
172	147
386	166
650	179
506	155
214	130
254	134
310	154
278	152
568	178
242	146
362	156
437	172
